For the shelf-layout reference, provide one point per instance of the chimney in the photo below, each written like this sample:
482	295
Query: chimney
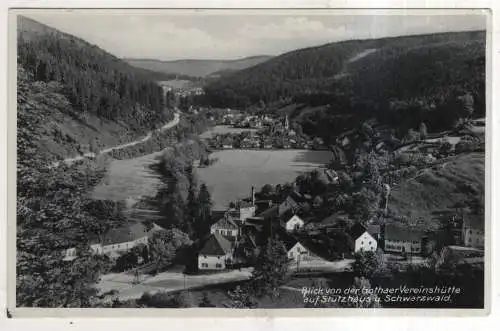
253	196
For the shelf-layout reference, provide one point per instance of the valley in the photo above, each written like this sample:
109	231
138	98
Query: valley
233	183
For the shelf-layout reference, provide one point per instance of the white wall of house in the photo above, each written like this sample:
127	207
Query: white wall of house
294	223
473	237
298	252
69	254
247	212
366	243
125	246
118	247
398	246
213	262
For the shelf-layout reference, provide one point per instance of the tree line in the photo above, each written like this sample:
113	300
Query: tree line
94	81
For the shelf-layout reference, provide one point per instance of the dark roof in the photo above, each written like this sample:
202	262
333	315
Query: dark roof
226	223
297	197
216	245
474	221
373	229
287	239
218	214
287	214
356	231
402	232
314	247
270	212
334	219
245	204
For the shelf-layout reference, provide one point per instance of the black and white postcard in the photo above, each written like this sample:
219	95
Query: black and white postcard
236	159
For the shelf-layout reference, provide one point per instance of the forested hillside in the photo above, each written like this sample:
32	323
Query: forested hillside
90	96
391	78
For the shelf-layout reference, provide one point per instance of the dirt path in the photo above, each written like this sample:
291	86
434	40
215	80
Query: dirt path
166	282
167	126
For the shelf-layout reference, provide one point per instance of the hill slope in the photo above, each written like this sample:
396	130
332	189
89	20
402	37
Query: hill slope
89	97
385	78
436	192
197	68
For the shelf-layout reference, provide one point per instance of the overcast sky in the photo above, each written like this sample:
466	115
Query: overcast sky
167	36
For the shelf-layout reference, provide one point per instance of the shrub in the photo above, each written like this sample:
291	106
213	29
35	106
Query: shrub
163	300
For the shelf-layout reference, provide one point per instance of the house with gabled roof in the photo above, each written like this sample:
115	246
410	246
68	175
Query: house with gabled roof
216	254
227	226
292	202
303	249
362	240
118	241
294	223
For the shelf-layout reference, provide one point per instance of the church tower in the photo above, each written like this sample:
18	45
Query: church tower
286	123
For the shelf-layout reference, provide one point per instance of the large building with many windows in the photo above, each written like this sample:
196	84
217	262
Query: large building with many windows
402	239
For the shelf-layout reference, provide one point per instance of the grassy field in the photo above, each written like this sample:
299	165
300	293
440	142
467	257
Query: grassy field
236	171
128	179
437	191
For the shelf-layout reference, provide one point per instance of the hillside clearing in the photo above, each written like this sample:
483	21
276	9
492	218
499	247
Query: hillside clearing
437	191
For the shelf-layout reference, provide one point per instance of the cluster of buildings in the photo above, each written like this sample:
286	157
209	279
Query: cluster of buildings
181	89
277	134
240	232
240	120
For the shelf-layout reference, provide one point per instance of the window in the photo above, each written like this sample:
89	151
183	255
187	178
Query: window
204	265
218	265
362	242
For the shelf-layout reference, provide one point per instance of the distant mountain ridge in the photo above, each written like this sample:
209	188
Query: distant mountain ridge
197	68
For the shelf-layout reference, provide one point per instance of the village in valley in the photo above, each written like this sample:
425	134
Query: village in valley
258	182
307	218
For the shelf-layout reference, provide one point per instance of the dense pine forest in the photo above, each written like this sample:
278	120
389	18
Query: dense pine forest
400	81
95	87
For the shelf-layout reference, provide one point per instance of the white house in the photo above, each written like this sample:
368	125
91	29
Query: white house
362	241
216	254
473	231
298	252
294	223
